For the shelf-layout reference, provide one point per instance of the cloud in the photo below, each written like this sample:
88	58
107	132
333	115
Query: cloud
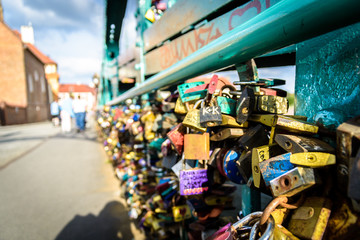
70	32
66	15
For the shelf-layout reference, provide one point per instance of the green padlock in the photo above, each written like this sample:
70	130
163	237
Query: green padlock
227	105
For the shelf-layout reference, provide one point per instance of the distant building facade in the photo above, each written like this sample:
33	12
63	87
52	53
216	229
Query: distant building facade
84	91
24	90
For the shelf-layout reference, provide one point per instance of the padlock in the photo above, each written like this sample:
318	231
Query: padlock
253	219
293	181
260	154
220	160
215	200
244	165
193	181
278	209
253	137
229	121
227	133
265	82
192	118
271	104
169	120
245	105
180	107
297	144
180	210
210	116
347	145
313	159
344	223
186	97
354	180
230	166
275	167
273	91
197	146
176	137
287	123
227	105
309	221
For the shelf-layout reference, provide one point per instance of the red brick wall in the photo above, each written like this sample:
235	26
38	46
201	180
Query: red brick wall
12	69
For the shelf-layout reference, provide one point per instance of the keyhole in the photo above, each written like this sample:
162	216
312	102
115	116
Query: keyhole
288	145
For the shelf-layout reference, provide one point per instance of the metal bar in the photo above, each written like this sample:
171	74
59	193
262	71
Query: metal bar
285	23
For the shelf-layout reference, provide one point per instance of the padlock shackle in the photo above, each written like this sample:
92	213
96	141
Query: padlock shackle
245	220
267	233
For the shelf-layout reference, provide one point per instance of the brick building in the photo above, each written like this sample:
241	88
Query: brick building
24	91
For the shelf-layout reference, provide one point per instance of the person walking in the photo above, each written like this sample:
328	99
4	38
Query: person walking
79	106
55	113
66	113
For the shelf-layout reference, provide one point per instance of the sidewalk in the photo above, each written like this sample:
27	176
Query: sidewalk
59	186
17	140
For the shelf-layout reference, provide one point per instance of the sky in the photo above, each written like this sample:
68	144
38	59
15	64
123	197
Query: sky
70	32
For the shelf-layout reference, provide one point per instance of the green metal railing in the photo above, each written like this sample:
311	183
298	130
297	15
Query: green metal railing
285	23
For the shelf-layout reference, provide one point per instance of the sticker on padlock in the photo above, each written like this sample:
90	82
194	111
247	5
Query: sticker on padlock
309	221
260	154
297	144
313	159
181	213
275	167
293	181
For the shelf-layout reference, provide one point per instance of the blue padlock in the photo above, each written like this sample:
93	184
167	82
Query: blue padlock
275	167
230	166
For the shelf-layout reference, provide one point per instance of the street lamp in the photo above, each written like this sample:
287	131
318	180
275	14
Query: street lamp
95	82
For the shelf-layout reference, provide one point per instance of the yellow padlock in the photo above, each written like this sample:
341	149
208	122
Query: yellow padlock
259	155
192	118
313	159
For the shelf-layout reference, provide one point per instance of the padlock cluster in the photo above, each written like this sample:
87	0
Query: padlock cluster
181	159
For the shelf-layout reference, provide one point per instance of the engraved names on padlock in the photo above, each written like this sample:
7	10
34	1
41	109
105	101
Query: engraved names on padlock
193	182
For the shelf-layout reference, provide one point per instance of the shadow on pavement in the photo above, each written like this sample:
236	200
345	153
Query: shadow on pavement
112	223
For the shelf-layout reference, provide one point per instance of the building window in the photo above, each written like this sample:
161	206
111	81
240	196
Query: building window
42	82
31	84
50	68
36	76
